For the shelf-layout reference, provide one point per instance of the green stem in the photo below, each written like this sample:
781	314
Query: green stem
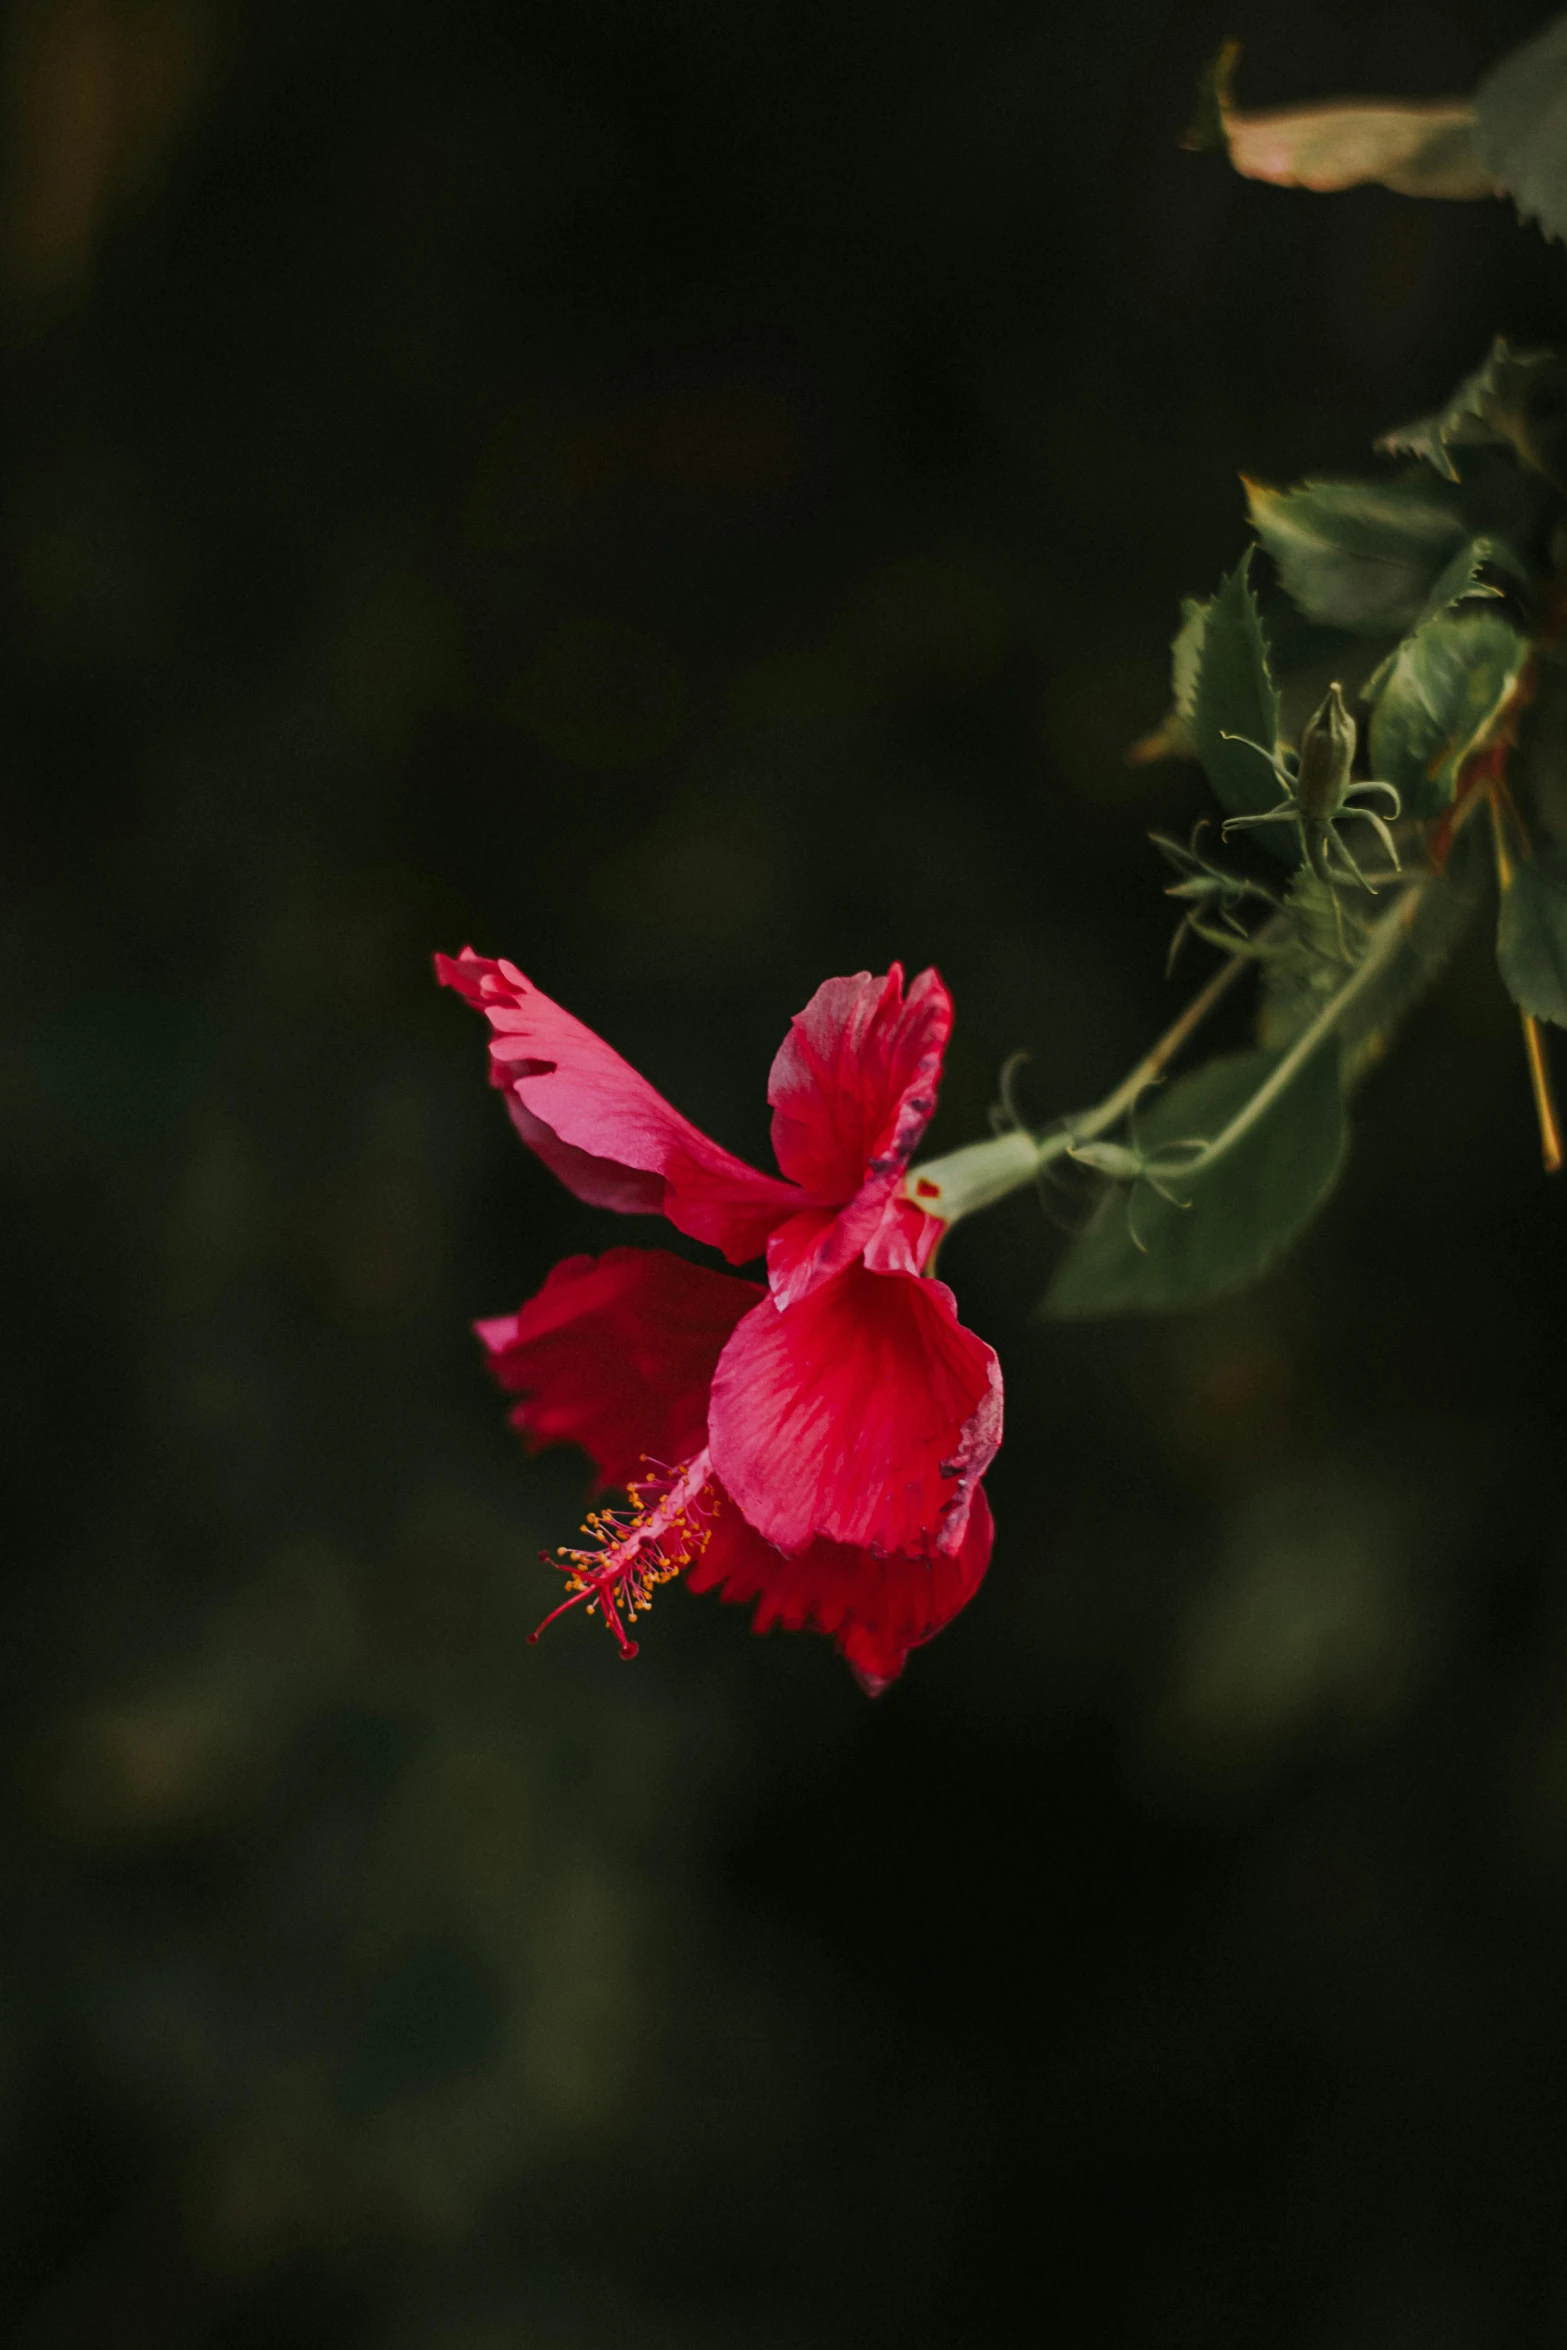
976	1176
984	1172
1154	1062
1386	939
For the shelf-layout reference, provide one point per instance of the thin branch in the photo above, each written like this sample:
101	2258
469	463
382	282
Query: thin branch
1496	794
1180	1032
1544	1094
1386	939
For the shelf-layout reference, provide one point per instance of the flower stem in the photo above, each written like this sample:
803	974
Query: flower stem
976	1176
1544	1095
984	1172
1154	1062
1386	939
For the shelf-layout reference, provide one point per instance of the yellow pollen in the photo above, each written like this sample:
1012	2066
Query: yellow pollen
667	1526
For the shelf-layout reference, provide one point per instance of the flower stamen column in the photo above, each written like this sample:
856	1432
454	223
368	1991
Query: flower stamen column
668	1527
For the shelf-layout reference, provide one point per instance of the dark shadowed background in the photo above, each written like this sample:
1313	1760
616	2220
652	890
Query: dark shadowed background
693	497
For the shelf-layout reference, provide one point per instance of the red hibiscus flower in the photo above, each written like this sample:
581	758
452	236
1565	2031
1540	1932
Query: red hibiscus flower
815	1445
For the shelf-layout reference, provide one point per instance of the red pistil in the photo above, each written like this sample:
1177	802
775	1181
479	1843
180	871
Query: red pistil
667	1527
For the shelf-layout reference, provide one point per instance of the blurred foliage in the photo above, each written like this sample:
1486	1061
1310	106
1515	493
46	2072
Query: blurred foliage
1517	108
691	499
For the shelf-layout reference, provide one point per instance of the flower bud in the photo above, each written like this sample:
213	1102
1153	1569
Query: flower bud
1327	755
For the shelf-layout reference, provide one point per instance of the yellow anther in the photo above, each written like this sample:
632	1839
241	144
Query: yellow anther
667	1526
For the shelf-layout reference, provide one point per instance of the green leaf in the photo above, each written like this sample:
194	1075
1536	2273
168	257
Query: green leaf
1444	913
1463	419
1186	657
1436	696
1531	935
1305	967
1515	398
1235	697
1537	770
1521	127
1174	737
1303	661
1463	582
1244	1211
1306	970
1363	555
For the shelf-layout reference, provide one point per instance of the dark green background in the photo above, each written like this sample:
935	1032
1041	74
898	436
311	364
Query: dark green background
693	497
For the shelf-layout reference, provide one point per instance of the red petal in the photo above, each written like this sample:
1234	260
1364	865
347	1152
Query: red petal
881	1225
852	1091
616	1353
866	1413
609	1135
855	1078
876	1609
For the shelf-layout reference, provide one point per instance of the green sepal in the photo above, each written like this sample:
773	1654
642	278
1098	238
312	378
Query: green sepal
1516	398
1236	697
1361	555
1244	1211
1436	696
1519	108
1531	935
